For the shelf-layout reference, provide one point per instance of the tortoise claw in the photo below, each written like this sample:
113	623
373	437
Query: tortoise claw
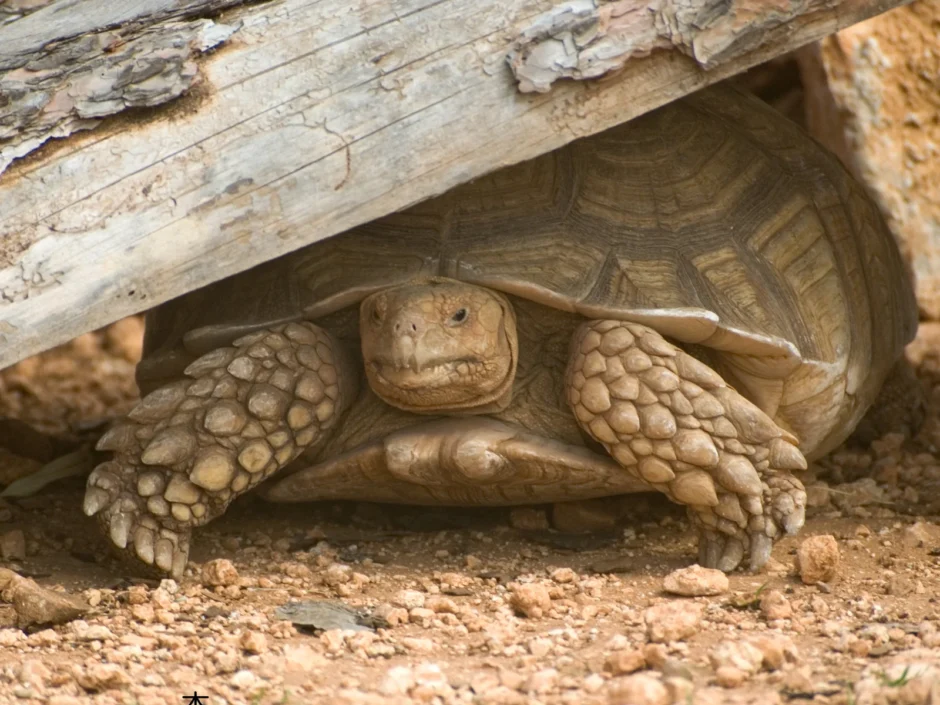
709	549
120	526
171	553
761	544
732	555
96	499
144	544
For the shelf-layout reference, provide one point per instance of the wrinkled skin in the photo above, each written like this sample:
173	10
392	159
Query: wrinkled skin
439	346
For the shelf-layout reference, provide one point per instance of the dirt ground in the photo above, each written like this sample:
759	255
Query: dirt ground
488	607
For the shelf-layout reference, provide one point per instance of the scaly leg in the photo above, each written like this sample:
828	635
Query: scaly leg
190	447
672	421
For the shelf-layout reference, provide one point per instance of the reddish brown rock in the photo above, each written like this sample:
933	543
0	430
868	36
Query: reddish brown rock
37	605
640	689
219	572
531	600
873	94
673	621
775	605
696	581
818	559
625	661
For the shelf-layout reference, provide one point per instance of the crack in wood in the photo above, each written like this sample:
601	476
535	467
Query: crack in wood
348	155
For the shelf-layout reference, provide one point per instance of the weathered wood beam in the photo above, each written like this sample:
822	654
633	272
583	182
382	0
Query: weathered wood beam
313	117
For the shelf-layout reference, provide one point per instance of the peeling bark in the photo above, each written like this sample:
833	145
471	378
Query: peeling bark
12	10
584	39
57	78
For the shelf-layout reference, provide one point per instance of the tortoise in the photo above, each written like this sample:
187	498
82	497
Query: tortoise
697	302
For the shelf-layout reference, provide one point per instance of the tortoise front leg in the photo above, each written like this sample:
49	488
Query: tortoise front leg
672	421
189	448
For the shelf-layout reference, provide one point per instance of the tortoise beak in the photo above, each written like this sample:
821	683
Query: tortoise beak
403	352
410	346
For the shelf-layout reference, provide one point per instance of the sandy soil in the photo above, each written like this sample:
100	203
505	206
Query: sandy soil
487	607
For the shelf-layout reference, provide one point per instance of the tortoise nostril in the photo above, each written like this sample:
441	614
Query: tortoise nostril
406	326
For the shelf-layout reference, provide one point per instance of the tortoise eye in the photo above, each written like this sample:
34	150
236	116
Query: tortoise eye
460	316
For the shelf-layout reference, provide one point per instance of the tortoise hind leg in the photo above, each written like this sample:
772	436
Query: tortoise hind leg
190	447
672	421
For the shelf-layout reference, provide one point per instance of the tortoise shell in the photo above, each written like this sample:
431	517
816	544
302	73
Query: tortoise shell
714	220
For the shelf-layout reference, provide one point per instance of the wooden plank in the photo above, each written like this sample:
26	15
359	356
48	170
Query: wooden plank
318	115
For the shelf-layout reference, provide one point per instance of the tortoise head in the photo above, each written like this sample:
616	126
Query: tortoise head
439	345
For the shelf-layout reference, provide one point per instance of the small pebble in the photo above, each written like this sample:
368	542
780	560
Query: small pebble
655	655
409	599
440	604
398	681
531	600
219	573
243	680
302	658
564	576
737	654
542	681
776	650
593	683
540	648
103	676
673	621
337	574
638	689
917	535
393	616
144	614
253	642
696	581
95	632
774	605
730	677
625	661
817	559
418	645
